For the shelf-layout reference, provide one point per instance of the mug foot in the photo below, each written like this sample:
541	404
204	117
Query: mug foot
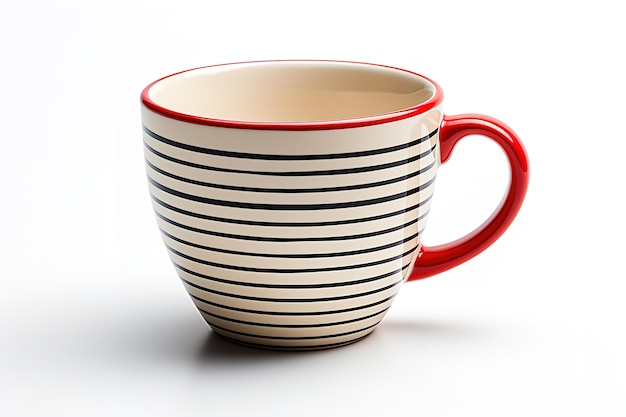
285	345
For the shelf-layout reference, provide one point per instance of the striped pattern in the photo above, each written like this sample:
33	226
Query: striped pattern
287	250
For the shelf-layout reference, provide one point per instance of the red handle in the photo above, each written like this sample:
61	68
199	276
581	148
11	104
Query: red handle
433	260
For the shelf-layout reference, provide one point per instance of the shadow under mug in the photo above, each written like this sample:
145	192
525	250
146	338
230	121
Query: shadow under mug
291	195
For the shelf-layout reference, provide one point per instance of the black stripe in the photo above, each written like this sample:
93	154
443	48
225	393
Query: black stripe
288	271
289	224
289	313
340	171
292	338
305	300
300	300
286	286
270	157
292	326
294	255
292	207
286	347
296	300
290	239
291	190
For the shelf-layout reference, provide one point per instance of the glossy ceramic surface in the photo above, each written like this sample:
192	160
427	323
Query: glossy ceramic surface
291	195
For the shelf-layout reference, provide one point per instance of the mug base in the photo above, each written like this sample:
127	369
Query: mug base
288	347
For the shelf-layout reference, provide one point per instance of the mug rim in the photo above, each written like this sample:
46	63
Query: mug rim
424	106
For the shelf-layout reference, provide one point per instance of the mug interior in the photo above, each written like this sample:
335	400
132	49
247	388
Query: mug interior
291	92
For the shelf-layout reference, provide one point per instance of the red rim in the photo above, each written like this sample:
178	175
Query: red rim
429	104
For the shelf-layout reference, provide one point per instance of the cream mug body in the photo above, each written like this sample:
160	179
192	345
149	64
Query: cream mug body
292	195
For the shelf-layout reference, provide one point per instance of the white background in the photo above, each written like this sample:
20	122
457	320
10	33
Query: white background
93	320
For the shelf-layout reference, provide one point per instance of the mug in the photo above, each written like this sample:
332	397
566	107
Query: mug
292	195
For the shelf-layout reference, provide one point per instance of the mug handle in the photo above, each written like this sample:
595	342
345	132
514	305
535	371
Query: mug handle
436	259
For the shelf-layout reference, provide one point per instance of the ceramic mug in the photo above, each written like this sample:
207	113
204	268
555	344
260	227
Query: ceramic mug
292	195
